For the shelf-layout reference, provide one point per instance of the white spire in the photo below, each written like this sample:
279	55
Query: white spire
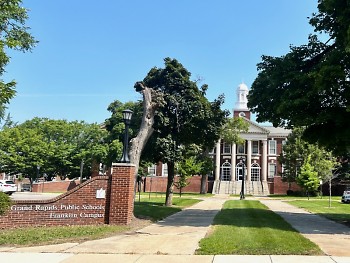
242	92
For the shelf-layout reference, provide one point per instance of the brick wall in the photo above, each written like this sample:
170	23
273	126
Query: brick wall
79	206
54	186
100	200
158	184
280	187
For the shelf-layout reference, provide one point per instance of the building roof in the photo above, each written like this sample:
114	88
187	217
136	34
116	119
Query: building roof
255	127
278	131
243	87
270	131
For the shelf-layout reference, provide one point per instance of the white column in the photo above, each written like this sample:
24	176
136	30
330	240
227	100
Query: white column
217	161
264	162
233	162
249	160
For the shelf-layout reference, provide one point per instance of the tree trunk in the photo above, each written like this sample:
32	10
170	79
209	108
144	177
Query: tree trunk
146	128
330	193
170	184
203	189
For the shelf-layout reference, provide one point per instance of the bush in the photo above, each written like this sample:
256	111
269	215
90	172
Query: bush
5	203
290	192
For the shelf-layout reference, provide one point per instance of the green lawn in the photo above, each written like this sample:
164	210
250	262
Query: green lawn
247	227
155	210
291	197
338	211
54	235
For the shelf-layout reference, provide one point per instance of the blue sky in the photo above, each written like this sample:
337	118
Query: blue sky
91	53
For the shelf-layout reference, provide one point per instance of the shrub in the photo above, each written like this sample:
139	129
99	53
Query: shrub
5	203
290	192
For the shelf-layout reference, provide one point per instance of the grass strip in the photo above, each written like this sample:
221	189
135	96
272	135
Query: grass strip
154	208
245	227
54	235
337	211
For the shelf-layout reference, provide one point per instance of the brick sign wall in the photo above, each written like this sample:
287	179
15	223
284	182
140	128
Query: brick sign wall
86	204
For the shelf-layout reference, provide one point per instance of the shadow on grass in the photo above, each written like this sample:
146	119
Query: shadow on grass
251	217
153	210
239	214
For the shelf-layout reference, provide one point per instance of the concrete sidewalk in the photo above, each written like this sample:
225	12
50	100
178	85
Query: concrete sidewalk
174	239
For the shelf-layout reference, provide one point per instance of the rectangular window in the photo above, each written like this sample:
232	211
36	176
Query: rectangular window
272	147
272	170
227	148
165	170
152	170
240	149
255	147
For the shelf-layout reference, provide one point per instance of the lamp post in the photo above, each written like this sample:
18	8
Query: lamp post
37	172
241	161
126	118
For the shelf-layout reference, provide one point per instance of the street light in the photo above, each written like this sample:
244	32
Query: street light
241	161
37	172
126	118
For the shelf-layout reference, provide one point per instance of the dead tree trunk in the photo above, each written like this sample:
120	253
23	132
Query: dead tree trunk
150	103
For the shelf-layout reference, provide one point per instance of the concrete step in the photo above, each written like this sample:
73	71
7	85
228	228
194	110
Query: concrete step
234	187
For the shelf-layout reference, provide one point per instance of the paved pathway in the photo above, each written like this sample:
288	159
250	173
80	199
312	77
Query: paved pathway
175	239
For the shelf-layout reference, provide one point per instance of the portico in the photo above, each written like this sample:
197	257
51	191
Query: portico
262	145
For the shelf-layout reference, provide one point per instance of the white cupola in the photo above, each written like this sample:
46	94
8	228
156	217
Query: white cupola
242	101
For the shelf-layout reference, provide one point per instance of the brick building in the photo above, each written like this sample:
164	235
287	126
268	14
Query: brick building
256	158
259	155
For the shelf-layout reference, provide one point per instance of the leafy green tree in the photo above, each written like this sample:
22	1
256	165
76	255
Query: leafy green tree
22	151
184	117
232	129
308	178
186	168
115	126
309	86
296	151
14	35
56	146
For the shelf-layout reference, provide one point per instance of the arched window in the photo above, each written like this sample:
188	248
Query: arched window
255	172
226	171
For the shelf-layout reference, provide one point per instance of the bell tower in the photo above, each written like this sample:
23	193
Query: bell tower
241	107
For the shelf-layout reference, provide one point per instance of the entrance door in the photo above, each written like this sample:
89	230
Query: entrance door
239	173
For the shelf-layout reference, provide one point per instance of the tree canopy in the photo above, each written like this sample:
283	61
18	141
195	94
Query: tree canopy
308	178
56	146
115	126
296	152
184	117
232	129
309	86
14	35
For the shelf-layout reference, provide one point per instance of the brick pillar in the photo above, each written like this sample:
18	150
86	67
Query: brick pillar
122	194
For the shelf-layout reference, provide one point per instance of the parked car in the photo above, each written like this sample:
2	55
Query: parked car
346	197
8	187
26	187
